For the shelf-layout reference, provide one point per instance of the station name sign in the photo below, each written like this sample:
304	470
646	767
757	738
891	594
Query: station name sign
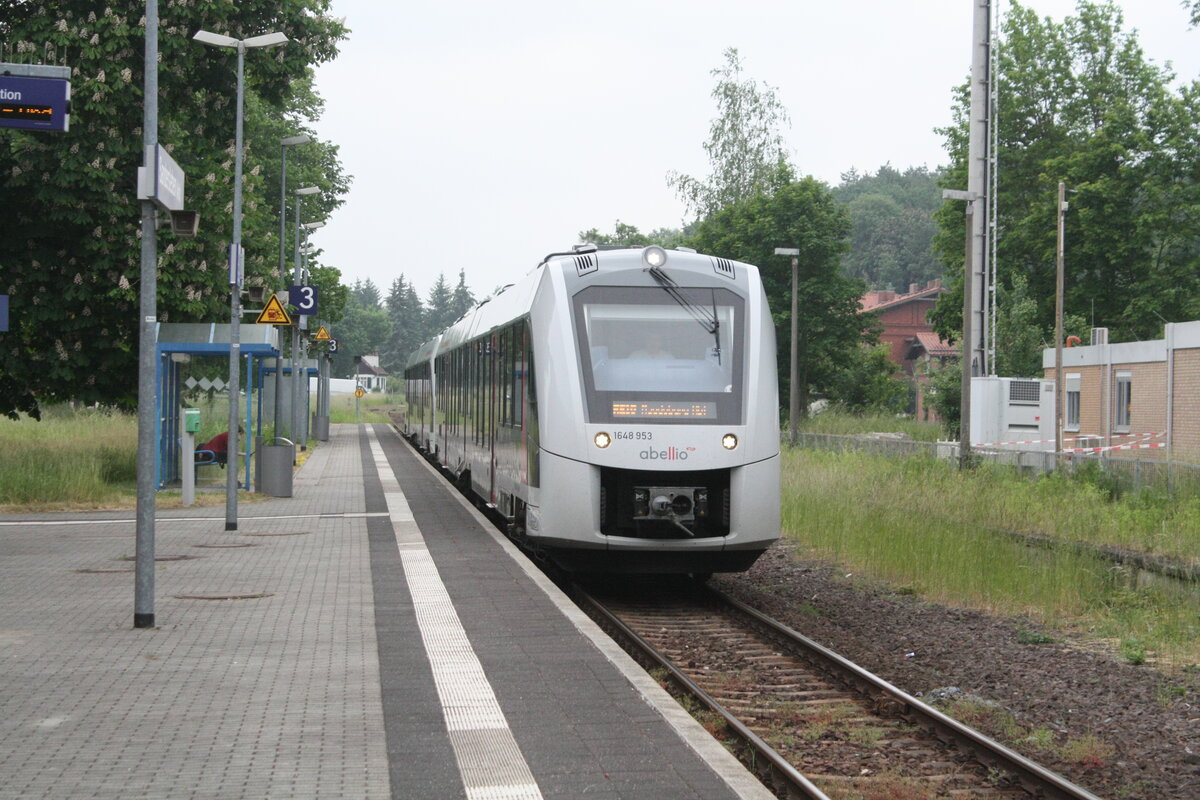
161	180
35	102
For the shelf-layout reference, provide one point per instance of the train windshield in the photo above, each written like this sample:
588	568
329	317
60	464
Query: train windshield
653	356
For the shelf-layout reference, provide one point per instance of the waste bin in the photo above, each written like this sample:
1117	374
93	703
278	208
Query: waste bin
276	460
320	427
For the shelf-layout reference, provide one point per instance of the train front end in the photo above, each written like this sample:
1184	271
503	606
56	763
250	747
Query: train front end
659	447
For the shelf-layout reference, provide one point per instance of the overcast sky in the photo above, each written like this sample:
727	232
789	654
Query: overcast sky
483	135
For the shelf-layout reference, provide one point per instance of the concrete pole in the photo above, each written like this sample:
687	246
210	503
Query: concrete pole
1059	267
975	348
964	432
793	393
143	598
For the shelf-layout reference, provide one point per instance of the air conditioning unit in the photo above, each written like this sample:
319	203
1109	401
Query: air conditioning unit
1012	413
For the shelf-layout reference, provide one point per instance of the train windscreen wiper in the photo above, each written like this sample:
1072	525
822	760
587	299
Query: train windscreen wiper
707	320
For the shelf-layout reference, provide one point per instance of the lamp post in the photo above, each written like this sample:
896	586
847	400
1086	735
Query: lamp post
297	422
284	144
235	255
793	398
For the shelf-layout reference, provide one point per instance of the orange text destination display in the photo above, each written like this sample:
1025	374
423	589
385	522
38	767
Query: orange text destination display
34	103
663	409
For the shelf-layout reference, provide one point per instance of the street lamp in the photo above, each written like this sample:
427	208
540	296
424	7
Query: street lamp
284	144
235	254
297	420
793	397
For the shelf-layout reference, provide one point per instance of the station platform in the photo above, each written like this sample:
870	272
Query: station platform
370	637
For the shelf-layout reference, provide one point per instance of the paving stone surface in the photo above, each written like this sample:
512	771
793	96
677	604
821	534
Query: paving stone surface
286	661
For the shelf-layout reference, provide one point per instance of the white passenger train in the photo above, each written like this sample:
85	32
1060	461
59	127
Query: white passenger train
618	406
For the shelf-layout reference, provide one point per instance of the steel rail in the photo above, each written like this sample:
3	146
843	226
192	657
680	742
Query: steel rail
1035	778
778	770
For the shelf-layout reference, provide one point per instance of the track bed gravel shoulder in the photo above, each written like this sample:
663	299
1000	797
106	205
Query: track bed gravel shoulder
1123	731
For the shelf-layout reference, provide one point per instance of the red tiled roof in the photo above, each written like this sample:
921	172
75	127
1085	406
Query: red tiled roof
874	301
933	344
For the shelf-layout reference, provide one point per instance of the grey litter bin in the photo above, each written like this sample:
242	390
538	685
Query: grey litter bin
276	460
321	427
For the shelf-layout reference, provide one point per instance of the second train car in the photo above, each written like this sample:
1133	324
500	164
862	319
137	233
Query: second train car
619	407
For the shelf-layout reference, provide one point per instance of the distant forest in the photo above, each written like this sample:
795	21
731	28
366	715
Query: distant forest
892	226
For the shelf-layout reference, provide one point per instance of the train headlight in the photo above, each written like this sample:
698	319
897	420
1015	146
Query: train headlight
729	441
602	440
654	256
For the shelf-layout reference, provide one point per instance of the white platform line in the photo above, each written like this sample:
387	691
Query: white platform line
725	764
490	762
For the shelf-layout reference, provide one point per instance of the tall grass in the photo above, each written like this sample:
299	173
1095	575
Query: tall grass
920	523
372	407
71	458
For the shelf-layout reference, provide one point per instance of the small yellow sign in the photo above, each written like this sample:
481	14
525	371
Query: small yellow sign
274	314
359	392
323	334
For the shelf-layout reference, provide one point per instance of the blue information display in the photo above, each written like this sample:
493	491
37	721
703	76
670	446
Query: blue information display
39	104
3	313
304	298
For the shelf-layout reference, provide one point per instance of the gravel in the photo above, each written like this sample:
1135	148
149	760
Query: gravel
1121	731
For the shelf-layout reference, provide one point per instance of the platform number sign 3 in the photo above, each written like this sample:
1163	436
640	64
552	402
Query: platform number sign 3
304	298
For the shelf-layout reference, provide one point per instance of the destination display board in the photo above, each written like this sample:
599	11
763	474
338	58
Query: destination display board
652	409
39	104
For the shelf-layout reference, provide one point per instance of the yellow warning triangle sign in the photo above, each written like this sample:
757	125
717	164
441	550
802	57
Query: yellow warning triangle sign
322	334
274	314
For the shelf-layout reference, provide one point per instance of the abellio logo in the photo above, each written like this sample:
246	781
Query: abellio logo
670	454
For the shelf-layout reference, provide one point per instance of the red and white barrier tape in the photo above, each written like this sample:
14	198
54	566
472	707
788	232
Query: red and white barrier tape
1074	439
1115	447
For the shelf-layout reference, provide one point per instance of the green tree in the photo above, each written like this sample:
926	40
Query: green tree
407	319
72	271
439	313
1019	338
892	226
945	394
867	382
746	150
461	300
624	235
1082	105
804	215
366	293
363	330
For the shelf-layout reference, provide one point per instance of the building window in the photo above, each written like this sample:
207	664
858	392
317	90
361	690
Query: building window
1072	411
1124	410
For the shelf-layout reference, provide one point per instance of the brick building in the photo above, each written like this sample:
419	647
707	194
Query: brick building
1141	396
906	330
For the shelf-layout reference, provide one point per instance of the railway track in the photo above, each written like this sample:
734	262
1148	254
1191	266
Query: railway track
810	723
